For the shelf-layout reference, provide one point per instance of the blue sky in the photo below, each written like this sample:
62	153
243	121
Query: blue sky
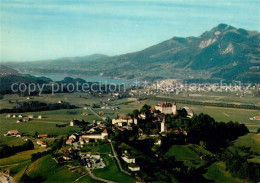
48	29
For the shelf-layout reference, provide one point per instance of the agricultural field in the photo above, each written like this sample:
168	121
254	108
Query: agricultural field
20	157
46	125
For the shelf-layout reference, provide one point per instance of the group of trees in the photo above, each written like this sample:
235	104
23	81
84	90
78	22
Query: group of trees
213	135
57	144
37	106
239	166
6	150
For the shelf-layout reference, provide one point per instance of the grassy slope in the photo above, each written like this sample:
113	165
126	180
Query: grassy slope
47	168
217	173
190	154
253	141
20	157
111	171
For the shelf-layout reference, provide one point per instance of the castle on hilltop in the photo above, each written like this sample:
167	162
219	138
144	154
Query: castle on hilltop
167	108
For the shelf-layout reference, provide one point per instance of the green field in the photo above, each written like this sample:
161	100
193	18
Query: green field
253	141
20	157
45	125
111	171
47	169
217	173
190	154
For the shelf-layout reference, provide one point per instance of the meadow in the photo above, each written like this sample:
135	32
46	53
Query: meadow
217	173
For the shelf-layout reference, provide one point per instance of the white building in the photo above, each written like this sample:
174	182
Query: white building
163	126
127	158
167	108
134	167
124	119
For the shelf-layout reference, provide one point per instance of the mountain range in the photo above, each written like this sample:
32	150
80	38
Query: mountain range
224	52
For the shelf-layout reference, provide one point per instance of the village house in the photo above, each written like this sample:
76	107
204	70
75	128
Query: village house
124	119
167	108
66	157
12	133
14	116
128	158
69	141
101	113
19	121
142	116
134	167
8	116
41	143
30	116
255	118
42	135
20	116
40	117
26	119
85	114
96	136
83	140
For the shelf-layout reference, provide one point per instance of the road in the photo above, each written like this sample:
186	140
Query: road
97	178
94	112
117	160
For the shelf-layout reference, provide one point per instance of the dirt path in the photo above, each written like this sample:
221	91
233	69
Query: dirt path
97	178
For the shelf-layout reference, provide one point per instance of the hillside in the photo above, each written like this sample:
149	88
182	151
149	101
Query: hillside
224	52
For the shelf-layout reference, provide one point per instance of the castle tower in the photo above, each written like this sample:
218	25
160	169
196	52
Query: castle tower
163	125
174	108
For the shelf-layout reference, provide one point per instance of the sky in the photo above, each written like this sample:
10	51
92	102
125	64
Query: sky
49	29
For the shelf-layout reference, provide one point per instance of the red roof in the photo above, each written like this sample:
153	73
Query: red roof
13	131
257	117
105	131
43	135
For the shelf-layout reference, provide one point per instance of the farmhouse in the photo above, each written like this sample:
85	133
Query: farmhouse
167	108
8	116
255	118
41	143
26	119
19	121
12	133
42	135
85	113
30	116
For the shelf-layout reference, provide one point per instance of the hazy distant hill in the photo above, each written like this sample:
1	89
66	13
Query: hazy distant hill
5	71
224	52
